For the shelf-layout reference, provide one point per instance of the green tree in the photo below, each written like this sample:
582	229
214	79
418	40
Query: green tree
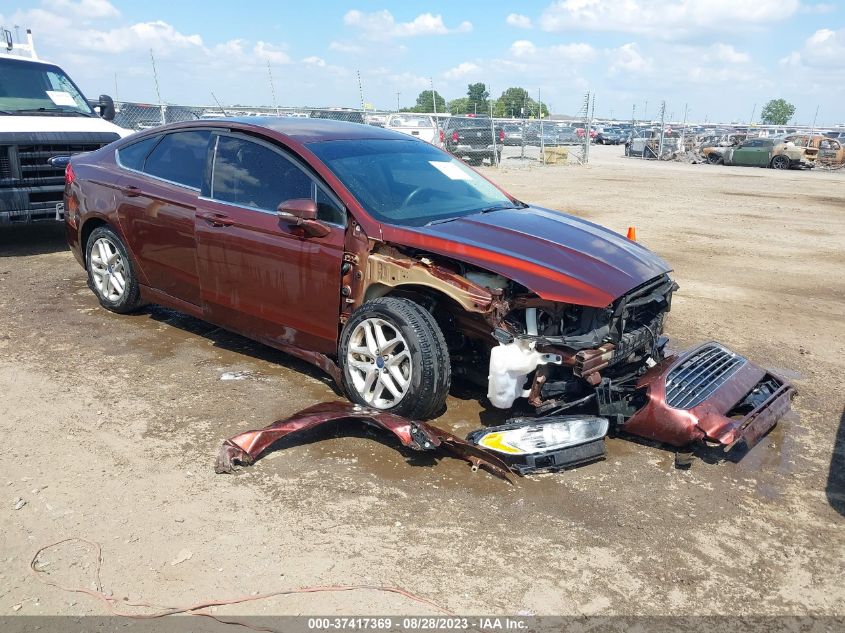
426	104
515	102
777	112
478	96
461	105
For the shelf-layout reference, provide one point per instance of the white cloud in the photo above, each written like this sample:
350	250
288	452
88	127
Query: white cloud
628	59
823	50
381	25
462	70
86	9
727	54
519	21
573	53
270	53
158	35
667	19
346	47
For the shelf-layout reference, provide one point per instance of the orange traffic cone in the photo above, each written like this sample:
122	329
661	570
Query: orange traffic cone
632	233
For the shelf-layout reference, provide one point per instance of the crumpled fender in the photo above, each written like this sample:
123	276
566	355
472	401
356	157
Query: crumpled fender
245	448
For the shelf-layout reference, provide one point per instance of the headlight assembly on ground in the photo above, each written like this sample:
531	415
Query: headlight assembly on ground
547	443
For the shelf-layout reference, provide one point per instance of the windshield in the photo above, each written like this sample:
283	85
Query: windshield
409	183
28	87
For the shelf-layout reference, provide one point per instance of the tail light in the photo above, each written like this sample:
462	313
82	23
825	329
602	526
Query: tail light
454	137
501	135
442	136
69	175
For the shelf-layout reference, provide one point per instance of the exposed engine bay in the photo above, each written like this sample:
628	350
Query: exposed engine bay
599	363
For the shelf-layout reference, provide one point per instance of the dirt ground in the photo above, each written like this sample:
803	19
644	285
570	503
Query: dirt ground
111	424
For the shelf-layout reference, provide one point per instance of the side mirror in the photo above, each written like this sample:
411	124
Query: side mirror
302	214
106	105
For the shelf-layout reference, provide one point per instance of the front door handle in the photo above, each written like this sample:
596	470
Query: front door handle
216	219
130	191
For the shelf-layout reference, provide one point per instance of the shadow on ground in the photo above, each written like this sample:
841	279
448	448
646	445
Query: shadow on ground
32	239
836	476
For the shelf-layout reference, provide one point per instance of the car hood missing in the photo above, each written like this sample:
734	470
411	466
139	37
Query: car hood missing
557	256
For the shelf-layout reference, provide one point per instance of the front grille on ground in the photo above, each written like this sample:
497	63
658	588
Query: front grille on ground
696	378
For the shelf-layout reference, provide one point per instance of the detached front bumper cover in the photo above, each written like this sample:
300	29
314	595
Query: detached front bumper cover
245	448
709	394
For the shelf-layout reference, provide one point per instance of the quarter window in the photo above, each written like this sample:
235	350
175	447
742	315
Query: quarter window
132	156
180	158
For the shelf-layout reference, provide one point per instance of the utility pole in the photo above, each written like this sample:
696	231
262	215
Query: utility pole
397	101
645	111
753	110
662	121
433	97
272	88
158	91
361	90
116	98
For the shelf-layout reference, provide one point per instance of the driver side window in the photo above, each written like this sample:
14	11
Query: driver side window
254	175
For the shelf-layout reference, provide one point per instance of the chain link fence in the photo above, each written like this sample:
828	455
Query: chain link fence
506	142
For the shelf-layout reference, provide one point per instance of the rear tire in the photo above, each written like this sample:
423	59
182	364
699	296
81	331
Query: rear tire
393	357
780	162
111	273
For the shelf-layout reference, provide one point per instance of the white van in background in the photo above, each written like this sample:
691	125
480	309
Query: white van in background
44	120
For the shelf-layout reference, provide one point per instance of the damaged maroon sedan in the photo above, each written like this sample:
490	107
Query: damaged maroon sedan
393	266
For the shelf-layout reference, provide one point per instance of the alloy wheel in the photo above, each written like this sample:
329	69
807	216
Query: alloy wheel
108	270
379	362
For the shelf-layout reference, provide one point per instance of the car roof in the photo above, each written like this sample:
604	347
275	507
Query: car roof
307	130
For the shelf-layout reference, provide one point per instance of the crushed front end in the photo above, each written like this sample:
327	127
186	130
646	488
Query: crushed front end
709	394
611	362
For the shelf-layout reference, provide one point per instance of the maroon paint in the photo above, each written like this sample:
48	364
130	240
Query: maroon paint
263	278
707	421
247	447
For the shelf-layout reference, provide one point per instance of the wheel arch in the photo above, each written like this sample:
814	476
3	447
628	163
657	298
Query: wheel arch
85	232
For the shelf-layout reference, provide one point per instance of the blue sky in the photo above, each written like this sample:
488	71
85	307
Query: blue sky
724	58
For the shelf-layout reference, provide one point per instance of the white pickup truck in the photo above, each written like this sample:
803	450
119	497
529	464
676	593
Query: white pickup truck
44	120
421	126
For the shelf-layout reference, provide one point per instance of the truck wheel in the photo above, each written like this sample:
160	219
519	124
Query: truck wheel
393	357
780	162
111	274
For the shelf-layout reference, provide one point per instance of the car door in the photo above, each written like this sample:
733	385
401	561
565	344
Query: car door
260	275
747	154
157	202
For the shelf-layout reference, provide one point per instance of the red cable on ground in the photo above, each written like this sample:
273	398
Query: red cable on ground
195	609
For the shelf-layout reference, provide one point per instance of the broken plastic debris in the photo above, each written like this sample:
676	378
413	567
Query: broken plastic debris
246	447
181	557
19	503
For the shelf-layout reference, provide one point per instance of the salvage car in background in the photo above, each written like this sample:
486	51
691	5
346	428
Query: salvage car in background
422	126
392	266
768	152
474	139
829	151
610	136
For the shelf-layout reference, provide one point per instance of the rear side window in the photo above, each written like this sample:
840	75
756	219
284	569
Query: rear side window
180	158
133	156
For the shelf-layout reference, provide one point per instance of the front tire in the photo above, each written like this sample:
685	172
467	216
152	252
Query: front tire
111	275
393	357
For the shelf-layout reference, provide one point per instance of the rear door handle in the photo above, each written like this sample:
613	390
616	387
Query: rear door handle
130	191
216	219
